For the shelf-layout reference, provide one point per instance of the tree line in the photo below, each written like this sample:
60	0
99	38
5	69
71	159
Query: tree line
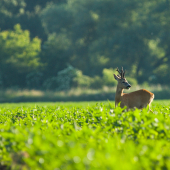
59	44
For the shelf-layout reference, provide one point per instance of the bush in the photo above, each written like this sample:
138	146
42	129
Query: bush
81	80
34	79
62	81
108	78
72	77
132	81
65	78
50	83
96	83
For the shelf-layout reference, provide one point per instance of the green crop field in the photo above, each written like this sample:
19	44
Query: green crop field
84	136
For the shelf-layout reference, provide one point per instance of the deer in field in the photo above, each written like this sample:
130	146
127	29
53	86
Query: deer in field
137	99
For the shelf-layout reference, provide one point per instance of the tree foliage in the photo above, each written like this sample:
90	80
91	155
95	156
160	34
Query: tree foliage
19	54
91	35
111	33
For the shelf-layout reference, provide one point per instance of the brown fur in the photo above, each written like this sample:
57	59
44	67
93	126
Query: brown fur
139	99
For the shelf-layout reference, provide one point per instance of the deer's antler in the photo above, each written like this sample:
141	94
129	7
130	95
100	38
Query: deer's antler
122	73
119	72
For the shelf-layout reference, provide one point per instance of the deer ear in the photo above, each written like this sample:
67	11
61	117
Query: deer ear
116	77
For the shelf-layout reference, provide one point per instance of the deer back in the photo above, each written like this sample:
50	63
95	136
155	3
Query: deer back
138	99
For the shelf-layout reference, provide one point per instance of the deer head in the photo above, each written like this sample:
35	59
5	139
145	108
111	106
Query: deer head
122	82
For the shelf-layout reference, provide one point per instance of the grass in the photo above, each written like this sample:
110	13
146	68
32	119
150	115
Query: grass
17	95
84	135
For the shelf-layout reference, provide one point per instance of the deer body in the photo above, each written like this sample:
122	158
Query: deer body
139	99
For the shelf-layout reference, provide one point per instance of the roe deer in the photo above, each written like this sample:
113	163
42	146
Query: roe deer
139	99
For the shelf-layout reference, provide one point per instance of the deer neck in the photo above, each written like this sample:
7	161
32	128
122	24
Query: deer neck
119	94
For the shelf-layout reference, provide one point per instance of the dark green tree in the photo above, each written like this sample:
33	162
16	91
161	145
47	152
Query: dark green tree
105	34
9	11
18	56
56	52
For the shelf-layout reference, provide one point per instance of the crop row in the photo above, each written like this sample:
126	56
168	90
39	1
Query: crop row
91	137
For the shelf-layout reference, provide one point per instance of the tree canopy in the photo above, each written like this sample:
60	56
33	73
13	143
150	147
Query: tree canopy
91	35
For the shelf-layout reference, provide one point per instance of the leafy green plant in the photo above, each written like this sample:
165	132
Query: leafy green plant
84	136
